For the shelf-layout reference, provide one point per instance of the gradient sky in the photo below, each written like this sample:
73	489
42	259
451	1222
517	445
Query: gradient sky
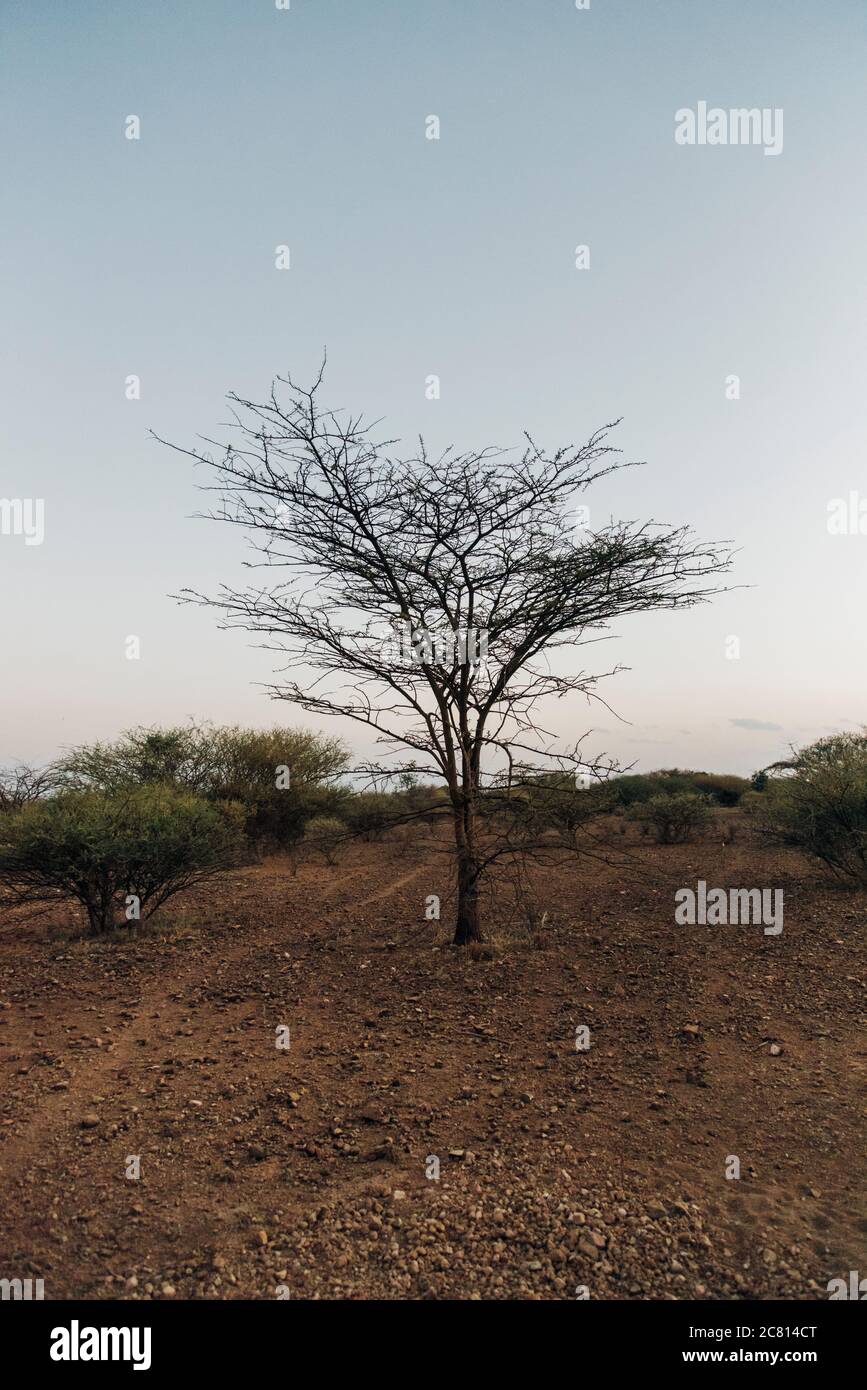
455	257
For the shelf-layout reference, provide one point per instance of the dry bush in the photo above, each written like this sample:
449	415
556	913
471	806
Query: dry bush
326	835
675	818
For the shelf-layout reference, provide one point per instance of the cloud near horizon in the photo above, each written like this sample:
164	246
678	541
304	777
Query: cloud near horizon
757	724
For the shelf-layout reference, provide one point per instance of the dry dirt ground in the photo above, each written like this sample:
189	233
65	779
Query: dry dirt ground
301	1172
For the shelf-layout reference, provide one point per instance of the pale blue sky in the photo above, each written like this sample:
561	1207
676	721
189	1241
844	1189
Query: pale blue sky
455	257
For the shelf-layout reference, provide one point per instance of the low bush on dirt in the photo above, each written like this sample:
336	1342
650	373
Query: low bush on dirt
120	852
280	777
819	804
566	809
369	814
674	817
326	835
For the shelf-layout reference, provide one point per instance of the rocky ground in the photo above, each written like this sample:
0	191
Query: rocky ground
303	1171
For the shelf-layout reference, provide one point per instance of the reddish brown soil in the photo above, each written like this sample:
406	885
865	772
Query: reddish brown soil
304	1170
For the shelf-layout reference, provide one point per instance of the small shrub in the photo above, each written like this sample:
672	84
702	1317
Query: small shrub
369	814
326	834
821	805
568	809
101	848
223	764
675	817
727	830
244	765
405	836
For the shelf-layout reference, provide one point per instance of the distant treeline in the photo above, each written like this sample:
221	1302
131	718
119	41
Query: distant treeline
721	787
121	827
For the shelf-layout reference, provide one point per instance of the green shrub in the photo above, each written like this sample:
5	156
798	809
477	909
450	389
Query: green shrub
425	801
281	777
633	788
820	804
326	834
675	817
180	757
564	808
369	814
722	788
101	848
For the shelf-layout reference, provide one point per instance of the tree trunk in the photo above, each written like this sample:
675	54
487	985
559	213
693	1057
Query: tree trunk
100	915
467	926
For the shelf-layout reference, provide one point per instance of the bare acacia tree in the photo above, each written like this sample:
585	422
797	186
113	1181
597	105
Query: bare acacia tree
477	548
22	784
